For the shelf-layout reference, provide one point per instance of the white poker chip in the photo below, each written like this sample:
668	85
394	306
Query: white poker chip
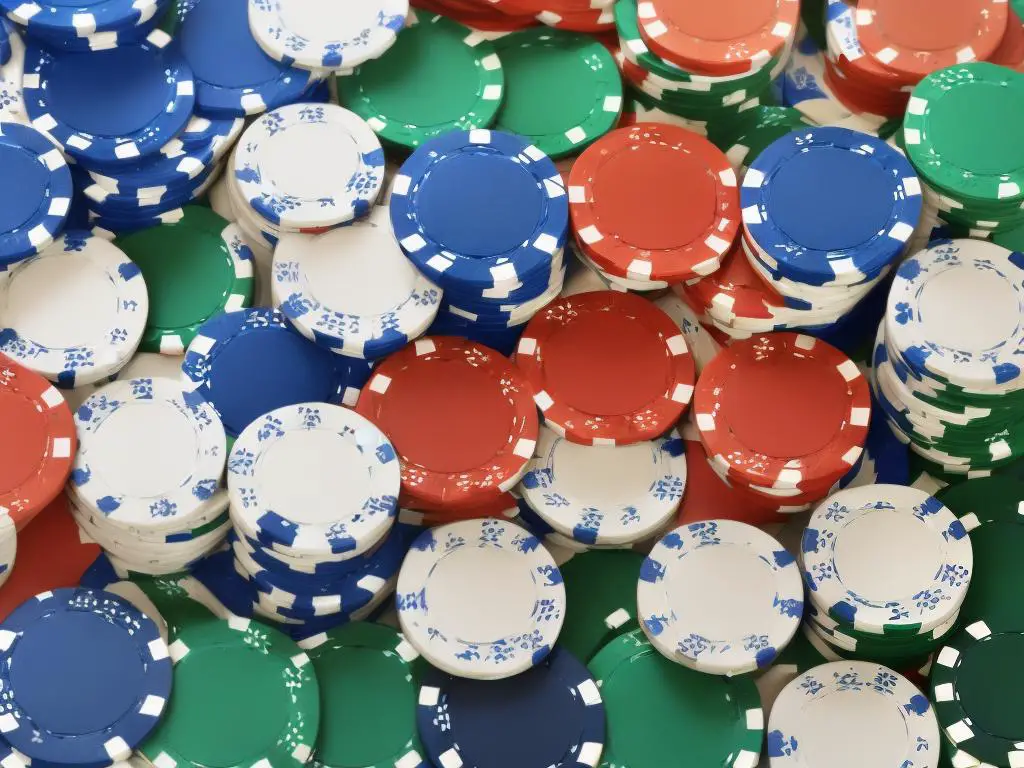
353	289
74	313
606	495
480	599
692	610
326	34
8	547
165	489
309	166
315	478
926	551
815	714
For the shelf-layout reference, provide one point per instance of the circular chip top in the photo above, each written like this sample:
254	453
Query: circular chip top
309	165
243	693
607	368
852	696
348	494
969	679
35	192
693	617
232	351
556	703
352	289
76	312
367	675
61	648
563	89
648	236
855	529
798	196
446	217
917	37
606	495
194	269
480	599
234	77
80	17
726	38
720	717
925	317
941	140
112	106
125	485
816	426
439	76
35	464
474	398
324	34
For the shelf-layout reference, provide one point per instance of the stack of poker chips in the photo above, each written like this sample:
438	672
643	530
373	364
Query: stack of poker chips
661	66
863	613
949	381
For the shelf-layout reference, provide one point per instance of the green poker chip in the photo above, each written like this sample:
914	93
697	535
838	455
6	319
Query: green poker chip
368	677
646	696
439	76
244	695
194	269
563	90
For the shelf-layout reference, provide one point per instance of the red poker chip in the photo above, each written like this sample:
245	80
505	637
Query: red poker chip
735	290
607	368
460	416
726	37
635	234
914	38
590	20
37	454
863	100
1010	52
783	411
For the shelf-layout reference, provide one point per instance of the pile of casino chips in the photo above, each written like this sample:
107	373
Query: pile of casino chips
790	454
948	379
896	616
803	261
483	215
701	63
559	90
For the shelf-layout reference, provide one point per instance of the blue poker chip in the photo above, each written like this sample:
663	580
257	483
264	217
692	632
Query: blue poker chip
479	210
550	715
313	571
86	677
217	573
81	18
109	107
35	192
109	226
98	41
249	362
319	92
5	41
116	206
830	205
503	340
234	77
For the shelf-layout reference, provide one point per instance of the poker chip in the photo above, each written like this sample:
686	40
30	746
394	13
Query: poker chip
543	68
194	269
453	714
113	106
37	464
590	397
369	303
458	628
443	218
606	495
12	101
35	192
66	723
356	729
629	237
710	630
96	310
8	547
723	714
755	130
393	94
213	662
475	397
229	349
860	694
82	18
324	35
